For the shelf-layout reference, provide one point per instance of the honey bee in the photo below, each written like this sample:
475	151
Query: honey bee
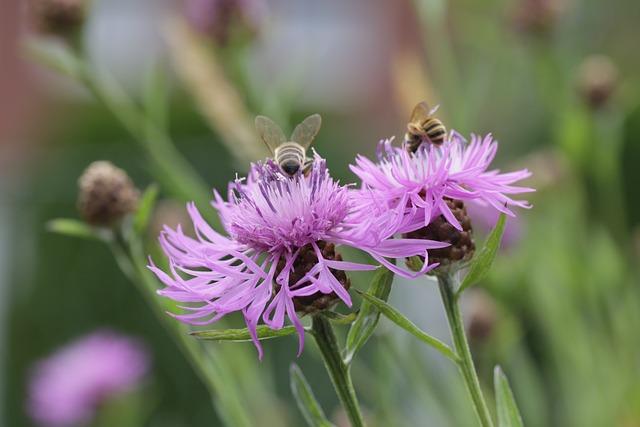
290	155
424	127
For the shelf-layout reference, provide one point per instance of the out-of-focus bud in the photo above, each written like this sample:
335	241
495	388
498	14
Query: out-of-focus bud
597	80
224	19
481	316
106	194
537	16
63	18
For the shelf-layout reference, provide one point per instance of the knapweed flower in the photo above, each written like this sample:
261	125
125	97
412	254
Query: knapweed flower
426	190
280	250
67	388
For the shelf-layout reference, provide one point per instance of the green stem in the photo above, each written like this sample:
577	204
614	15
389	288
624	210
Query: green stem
210	369
337	369
465	363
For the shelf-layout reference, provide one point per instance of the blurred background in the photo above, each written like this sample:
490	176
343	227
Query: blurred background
555	81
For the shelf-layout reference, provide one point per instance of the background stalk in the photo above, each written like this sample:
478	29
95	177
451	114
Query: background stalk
465	363
337	369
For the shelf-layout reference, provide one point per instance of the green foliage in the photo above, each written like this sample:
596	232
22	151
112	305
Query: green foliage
508	413
368	316
75	228
243	335
307	403
399	319
482	261
145	208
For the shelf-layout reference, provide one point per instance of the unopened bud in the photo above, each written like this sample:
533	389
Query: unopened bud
537	17
106	194
597	80
62	18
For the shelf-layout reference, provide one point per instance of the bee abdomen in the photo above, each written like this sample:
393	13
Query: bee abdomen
290	156
435	131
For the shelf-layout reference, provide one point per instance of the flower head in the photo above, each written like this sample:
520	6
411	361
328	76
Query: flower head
280	249
418	187
67	387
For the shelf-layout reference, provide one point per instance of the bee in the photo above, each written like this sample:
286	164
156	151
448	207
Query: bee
290	155
424	127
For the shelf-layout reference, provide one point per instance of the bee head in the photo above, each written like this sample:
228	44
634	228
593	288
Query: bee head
290	167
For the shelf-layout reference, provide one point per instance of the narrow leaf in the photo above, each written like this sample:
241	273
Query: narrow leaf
368	316
399	319
482	261
145	208
156	97
242	335
508	413
54	56
340	319
307	403
74	228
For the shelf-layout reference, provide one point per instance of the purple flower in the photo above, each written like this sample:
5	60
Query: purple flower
272	220
416	186
67	387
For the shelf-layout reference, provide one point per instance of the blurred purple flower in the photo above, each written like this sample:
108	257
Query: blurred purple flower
416	186
67	387
219	17
272	221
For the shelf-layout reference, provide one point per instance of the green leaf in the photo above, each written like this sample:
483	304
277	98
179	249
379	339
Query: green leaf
54	56
145	208
508	413
482	261
307	403
368	316
156	97
399	319
340	319
75	228
242	335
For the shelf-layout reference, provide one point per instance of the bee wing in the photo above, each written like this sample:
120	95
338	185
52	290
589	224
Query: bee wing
269	132
420	112
304	133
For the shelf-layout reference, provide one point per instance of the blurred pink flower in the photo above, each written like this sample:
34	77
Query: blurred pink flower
67	387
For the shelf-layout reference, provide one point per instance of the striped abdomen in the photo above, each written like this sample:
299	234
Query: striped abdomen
432	130
290	156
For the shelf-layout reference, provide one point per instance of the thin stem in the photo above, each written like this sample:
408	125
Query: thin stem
337	369
210	369
462	349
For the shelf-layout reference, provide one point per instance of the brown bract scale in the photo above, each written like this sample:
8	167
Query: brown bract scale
306	260
58	17
106	194
462	245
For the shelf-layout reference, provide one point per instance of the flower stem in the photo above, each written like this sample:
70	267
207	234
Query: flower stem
462	349
337	369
